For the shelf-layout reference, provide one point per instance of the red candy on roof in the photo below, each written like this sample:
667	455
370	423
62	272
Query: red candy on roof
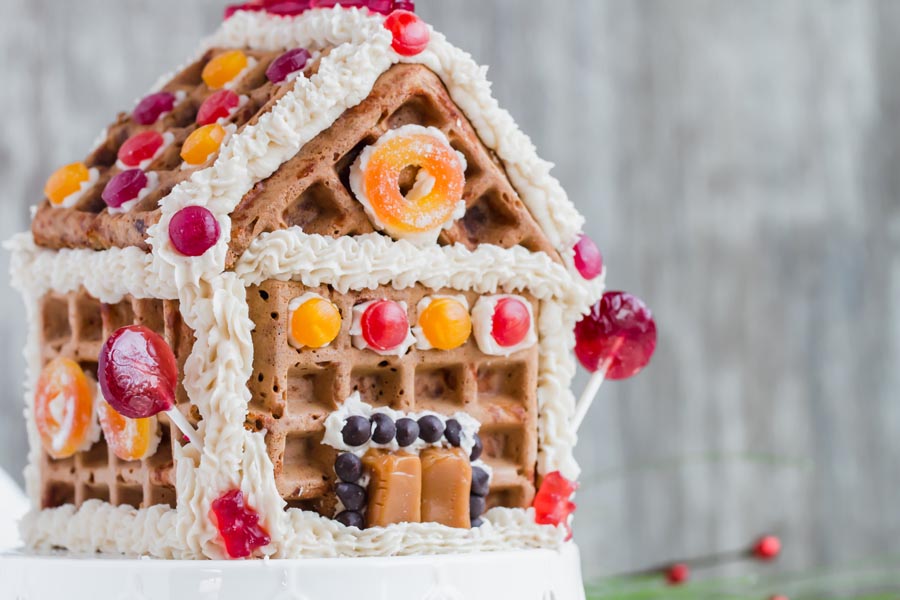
289	8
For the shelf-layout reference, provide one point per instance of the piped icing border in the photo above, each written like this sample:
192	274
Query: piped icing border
218	311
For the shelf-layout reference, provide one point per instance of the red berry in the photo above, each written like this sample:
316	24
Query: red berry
552	503
150	109
511	323
767	548
678	574
287	64
125	187
193	230
619	330
137	372
385	325
588	259
411	35
140	147
220	105
238	524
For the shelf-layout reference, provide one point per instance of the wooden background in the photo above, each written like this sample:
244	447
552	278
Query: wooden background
738	161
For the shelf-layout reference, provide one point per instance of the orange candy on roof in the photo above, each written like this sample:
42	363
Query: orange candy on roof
64	408
66	181
202	144
224	68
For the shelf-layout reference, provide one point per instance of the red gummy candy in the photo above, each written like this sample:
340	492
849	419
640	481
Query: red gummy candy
411	34
619	330
137	372
238	524
385	325
553	504
678	574
220	105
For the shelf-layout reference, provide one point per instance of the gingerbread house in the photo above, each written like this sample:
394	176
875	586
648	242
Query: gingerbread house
368	279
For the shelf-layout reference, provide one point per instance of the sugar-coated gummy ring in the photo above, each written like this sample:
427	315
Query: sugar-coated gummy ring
63	408
435	194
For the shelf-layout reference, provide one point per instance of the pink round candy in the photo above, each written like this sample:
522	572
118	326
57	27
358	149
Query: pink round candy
411	34
140	147
154	106
619	330
511	322
588	259
137	372
385	325
287	64
220	105
124	187
193	230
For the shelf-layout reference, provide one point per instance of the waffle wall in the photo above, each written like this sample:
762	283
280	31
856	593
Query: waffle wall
75	326
295	390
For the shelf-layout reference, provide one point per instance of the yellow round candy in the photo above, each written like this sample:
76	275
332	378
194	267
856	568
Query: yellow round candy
315	323
202	144
66	181
129	439
446	323
63	408
222	70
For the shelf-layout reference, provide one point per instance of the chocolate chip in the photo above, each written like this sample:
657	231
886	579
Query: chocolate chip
348	467
476	523
385	429
407	432
351	519
453	433
481	482
477	449
357	431
477	506
431	429
351	495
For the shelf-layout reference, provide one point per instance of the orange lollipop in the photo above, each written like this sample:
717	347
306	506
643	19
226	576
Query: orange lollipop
64	408
129	439
434	198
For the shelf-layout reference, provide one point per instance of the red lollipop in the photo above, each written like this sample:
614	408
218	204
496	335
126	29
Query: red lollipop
615	341
138	375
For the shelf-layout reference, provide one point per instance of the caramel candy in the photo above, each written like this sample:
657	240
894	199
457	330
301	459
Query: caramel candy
446	487
395	488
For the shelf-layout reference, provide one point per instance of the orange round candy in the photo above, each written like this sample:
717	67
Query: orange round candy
432	201
446	323
315	323
63	408
66	181
223	69
129	439
202	144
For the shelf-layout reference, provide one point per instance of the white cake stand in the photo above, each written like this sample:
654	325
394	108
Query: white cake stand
522	575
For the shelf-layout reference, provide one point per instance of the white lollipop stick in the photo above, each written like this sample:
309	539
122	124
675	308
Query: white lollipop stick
186	428
593	387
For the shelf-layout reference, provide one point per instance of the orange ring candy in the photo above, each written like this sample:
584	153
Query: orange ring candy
64	408
129	439
436	197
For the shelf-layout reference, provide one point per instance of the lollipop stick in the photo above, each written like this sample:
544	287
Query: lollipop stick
181	423
593	386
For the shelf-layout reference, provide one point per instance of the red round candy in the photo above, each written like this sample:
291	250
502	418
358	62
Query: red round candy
619	329
288	8
124	187
381	6
238	524
511	322
678	574
588	259
405	5
140	147
193	230
220	105
151	108
411	35
287	64
344	3
767	548
137	373
385	325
